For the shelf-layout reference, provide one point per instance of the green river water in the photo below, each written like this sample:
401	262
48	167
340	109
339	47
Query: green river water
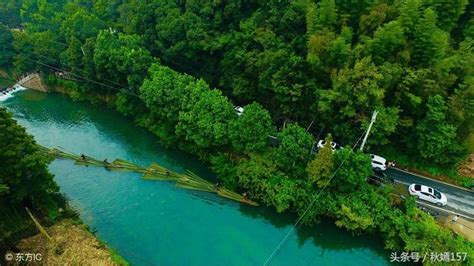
155	223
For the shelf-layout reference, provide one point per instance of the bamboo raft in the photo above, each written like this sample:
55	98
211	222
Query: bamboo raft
187	180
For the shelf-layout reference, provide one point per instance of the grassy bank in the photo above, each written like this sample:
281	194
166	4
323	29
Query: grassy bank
72	244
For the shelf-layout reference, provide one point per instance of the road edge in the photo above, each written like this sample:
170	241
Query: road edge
435	180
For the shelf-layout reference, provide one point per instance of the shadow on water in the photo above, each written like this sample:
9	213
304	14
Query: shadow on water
105	122
327	236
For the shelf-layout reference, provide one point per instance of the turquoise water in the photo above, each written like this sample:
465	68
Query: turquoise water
155	223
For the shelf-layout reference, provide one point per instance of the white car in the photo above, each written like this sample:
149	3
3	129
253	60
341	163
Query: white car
427	193
239	110
378	163
334	145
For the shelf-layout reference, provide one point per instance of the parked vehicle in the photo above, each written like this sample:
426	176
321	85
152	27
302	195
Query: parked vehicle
378	163
380	178
428	194
334	145
239	110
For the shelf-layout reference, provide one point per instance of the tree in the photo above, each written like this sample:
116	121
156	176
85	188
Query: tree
165	91
206	122
121	58
79	22
430	43
24	168
261	177
448	12
384	127
436	137
354	90
293	153
377	16
250	131
320	168
355	93
355	168
461	108
6	46
388	40
320	16
409	16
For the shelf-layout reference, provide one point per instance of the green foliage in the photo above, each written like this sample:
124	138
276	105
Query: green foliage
10	13
430	43
3	189
246	134
24	168
320	169
122	56
165	91
354	170
387	42
223	165
321	15
355	93
386	125
448	12
293	153
437	138
336	61
6	44
260	175
206	121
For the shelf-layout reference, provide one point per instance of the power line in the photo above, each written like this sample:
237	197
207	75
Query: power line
298	221
57	61
82	71
80	77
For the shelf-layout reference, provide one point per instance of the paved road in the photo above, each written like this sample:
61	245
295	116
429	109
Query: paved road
460	201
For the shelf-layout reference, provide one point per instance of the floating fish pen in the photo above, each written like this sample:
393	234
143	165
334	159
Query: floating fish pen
187	180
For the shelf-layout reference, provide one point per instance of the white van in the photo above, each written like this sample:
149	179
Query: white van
378	163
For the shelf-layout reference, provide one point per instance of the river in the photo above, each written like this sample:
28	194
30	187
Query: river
155	223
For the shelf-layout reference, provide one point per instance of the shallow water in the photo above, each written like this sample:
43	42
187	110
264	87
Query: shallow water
155	223
9	94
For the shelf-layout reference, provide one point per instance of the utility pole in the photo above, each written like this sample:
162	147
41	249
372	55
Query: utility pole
374	117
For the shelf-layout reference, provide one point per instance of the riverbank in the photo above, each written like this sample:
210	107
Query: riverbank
27	182
72	244
369	210
146	220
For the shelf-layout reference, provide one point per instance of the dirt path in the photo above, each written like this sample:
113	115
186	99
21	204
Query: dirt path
72	245
461	226
467	168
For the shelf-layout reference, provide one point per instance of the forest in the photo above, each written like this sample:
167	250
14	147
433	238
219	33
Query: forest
302	70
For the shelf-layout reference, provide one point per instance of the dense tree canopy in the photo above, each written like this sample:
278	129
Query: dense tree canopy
6	42
23	167
24	177
298	59
307	68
